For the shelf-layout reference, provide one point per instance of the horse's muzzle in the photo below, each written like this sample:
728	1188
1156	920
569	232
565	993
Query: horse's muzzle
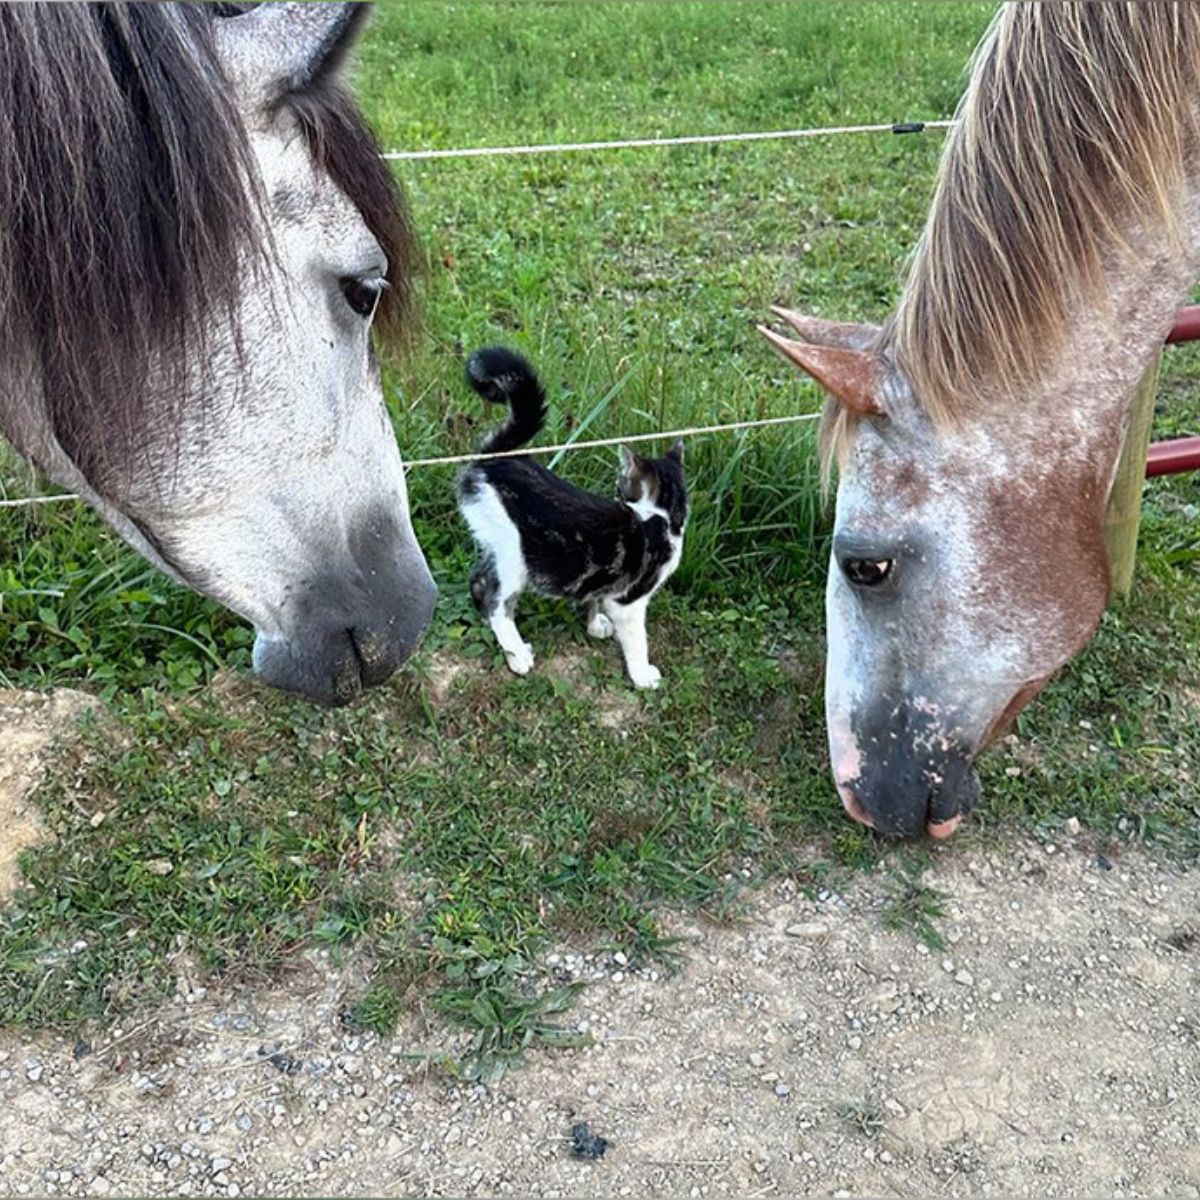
912	778
350	629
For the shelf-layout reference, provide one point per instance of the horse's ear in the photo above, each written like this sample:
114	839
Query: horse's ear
275	49
846	335
852	377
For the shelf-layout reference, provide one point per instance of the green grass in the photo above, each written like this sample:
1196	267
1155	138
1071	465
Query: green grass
451	838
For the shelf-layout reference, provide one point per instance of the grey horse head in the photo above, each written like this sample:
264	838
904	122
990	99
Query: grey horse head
187	301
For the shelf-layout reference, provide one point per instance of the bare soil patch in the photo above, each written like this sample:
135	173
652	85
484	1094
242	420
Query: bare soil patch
30	725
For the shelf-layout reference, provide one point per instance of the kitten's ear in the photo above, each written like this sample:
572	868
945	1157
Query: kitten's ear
676	451
629	461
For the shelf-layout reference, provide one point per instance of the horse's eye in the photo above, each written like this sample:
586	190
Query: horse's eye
867	572
362	294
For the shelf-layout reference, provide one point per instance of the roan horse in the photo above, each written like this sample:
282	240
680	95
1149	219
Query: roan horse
196	233
977	432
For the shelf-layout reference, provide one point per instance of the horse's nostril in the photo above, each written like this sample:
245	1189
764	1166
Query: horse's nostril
853	807
376	655
347	684
370	647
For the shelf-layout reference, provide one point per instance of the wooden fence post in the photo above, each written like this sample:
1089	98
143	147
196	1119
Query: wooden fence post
1124	513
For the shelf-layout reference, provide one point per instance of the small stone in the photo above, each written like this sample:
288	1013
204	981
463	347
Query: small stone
221	1163
855	1042
33	1070
887	996
964	977
782	1089
160	866
756	1060
808	929
1071	827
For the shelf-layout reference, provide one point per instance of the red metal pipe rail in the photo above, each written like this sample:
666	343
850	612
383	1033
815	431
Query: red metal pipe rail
1174	456
1187	325
1178	454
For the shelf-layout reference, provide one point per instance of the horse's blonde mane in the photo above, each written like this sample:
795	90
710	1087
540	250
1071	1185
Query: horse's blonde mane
1077	127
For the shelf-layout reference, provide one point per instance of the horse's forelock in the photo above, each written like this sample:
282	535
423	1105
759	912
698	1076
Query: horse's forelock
124	179
128	198
344	147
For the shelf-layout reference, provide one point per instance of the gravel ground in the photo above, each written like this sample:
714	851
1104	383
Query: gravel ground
1052	1049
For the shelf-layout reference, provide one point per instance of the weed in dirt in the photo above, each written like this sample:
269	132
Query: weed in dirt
379	1010
505	1011
912	904
867	1117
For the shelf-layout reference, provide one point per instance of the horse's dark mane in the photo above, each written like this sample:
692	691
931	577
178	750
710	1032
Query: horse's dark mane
127	200
342	144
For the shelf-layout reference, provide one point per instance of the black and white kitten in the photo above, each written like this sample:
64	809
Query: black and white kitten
537	531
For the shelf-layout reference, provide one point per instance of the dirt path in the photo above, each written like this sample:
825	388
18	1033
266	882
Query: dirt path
1053	1049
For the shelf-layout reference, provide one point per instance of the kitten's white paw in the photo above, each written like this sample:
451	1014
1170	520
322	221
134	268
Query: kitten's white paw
600	626
520	662
647	677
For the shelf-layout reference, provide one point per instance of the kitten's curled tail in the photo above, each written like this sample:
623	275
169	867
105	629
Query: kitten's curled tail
502	376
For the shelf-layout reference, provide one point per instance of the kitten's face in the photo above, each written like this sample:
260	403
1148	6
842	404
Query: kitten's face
657	484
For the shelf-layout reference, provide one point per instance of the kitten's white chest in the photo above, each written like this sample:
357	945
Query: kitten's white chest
676	542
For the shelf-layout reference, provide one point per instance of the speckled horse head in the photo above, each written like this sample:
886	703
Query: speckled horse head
196	235
977	432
